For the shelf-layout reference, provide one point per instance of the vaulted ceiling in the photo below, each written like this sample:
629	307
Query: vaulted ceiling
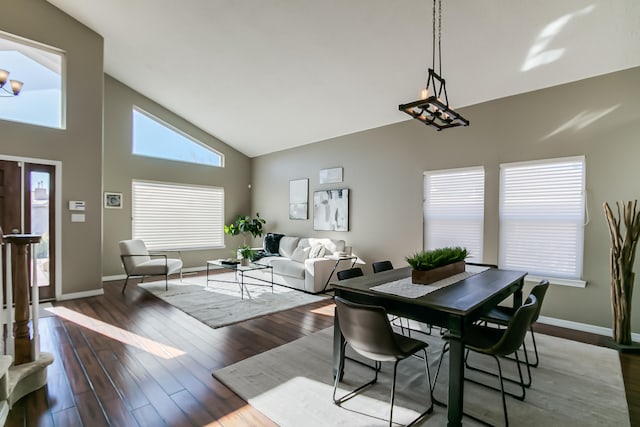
267	75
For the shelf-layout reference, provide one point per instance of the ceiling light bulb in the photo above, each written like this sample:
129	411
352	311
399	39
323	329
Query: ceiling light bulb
16	86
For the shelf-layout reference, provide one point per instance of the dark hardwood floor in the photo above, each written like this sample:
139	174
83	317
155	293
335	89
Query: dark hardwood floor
135	360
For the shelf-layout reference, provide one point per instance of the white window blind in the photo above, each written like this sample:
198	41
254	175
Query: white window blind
177	216
454	210
542	209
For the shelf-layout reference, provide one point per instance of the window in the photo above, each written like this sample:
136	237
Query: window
40	101
454	209
542	217
177	216
154	138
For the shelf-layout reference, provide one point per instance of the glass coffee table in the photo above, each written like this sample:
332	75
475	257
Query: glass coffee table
241	271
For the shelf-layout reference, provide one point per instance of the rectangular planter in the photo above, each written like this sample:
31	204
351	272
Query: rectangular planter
439	273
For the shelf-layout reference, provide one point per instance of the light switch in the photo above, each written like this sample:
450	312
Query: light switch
77	218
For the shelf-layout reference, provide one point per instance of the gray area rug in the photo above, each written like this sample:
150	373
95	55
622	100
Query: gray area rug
220	304
575	385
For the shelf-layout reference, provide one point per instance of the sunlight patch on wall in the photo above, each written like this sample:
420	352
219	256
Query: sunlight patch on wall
538	53
581	121
118	334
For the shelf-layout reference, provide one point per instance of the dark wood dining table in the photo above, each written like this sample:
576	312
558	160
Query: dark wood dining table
453	307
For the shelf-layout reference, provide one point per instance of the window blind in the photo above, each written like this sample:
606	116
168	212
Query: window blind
542	209
177	216
454	210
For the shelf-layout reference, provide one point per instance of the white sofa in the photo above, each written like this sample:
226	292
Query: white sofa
305	263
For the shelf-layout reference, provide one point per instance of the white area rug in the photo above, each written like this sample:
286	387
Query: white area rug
575	385
220	303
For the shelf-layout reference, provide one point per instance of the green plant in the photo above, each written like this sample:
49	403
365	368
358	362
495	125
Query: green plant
245	225
246	252
427	260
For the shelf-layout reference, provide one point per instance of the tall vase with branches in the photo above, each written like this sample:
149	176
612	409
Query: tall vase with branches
624	243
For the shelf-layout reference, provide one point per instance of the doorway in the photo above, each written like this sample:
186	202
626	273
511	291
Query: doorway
27	206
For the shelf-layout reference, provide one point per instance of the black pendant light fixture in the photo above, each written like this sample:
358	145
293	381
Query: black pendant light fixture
433	107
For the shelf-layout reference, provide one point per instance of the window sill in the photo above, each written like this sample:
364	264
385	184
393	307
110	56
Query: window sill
574	283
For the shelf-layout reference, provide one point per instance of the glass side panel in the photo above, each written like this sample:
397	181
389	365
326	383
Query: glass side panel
154	138
40	203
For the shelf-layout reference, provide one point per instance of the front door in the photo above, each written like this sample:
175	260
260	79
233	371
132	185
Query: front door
27	205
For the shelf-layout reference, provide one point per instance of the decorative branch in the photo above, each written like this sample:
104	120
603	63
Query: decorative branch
622	256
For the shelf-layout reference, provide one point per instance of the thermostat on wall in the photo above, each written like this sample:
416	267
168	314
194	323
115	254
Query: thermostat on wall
76	205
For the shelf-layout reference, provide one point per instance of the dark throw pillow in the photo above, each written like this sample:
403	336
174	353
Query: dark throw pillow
272	243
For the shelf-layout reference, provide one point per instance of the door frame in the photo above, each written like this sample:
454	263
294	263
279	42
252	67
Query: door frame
58	210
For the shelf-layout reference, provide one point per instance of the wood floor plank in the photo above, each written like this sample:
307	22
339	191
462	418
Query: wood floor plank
134	360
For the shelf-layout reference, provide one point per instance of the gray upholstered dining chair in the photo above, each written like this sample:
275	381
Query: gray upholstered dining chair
499	342
502	315
139	262
367	330
380	266
349	273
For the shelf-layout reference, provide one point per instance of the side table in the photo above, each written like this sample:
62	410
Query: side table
335	266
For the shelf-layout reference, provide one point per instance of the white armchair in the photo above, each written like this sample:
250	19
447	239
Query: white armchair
139	262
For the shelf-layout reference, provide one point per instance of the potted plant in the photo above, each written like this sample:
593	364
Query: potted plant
246	226
246	254
437	264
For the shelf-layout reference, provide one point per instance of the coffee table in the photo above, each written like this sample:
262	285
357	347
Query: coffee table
242	271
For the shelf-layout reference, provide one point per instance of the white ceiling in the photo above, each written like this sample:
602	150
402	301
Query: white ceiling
267	75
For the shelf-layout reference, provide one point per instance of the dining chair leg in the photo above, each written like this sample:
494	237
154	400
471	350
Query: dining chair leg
359	388
521	382
502	393
393	392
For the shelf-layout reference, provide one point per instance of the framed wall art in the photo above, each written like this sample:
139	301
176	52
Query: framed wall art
331	210
112	200
299	199
328	176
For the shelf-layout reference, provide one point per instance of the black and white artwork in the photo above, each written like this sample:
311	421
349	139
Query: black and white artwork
331	210
328	176
298	199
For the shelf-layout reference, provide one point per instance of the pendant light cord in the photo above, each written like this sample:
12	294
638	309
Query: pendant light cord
433	39
439	37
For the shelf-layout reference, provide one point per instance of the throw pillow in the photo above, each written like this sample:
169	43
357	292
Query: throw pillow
317	251
300	254
272	243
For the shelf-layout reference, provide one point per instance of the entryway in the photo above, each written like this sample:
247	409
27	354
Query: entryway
27	206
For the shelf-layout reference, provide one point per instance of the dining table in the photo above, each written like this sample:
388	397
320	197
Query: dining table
453	307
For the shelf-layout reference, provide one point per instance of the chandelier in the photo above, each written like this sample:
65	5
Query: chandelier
433	107
16	85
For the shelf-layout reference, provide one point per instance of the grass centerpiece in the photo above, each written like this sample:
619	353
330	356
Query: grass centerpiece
437	264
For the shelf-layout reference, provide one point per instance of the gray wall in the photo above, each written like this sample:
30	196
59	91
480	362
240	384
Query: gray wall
79	146
121	167
383	168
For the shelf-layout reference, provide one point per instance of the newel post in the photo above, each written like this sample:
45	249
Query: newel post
19	245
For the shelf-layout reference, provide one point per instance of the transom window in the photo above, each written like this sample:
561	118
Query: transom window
454	210
542	212
40	69
153	137
177	216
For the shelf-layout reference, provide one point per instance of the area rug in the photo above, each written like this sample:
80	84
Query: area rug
220	303
575	385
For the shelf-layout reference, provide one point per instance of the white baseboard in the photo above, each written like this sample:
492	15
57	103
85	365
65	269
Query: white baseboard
607	332
77	295
124	276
